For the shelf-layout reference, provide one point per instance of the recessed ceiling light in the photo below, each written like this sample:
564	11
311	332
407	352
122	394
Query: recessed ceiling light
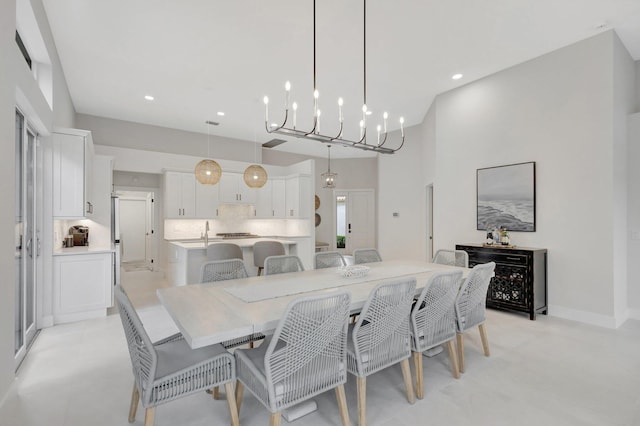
149	97
456	76
369	112
221	113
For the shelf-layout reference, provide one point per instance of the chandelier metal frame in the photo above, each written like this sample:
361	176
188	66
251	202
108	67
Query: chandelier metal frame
314	133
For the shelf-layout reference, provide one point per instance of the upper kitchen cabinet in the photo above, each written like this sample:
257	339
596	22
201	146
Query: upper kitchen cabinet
270	202
180	195
206	201
233	190
298	197
72	173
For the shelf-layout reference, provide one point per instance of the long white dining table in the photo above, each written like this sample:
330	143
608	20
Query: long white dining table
211	313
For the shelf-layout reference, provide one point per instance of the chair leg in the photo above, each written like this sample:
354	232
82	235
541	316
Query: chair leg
260	270
149	416
408	382
362	400
216	392
133	409
460	344
453	359
239	393
417	363
231	400
275	419
342	406
485	340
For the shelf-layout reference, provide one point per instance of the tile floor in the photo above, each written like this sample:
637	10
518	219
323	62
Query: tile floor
547	372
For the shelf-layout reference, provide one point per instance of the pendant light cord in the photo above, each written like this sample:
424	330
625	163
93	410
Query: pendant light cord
364	50
314	46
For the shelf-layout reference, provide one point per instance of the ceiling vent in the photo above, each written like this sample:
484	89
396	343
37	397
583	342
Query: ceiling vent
213	123
273	143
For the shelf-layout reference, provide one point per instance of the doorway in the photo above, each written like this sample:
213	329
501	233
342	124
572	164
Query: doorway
137	234
355	220
27	236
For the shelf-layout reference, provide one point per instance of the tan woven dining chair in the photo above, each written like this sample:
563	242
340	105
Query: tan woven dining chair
306	356
170	369
470	307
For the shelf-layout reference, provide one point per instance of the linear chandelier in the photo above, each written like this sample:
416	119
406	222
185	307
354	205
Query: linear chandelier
289	129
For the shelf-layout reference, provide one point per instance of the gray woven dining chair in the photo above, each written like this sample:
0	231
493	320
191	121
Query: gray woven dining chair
433	321
282	264
470	307
366	256
170	369
305	357
264	249
452	258
328	259
380	338
224	251
222	270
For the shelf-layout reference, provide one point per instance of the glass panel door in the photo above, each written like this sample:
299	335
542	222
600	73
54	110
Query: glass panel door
26	237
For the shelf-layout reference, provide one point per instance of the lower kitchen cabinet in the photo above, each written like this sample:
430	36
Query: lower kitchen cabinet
520	281
82	285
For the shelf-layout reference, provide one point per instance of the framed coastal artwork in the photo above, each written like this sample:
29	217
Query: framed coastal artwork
506	197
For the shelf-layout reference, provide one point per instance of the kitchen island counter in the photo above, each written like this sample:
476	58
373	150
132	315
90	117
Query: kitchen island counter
186	257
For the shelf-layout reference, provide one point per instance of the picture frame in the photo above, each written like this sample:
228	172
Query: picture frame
506	197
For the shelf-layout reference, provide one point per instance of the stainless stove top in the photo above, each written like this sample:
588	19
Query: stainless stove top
235	235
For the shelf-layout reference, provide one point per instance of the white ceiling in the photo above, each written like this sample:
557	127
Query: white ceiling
197	57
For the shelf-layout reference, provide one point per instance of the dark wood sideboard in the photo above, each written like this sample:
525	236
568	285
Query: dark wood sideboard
520	281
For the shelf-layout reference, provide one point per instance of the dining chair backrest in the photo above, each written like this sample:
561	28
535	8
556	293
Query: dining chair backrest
307	354
224	251
472	296
328	259
381	335
264	249
452	258
366	256
433	317
141	351
222	270
282	264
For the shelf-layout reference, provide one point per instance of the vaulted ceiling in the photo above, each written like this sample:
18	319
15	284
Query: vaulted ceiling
198	58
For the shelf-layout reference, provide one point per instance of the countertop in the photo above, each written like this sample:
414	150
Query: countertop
242	242
82	250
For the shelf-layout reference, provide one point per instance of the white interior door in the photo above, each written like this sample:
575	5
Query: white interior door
133	226
355	220
429	222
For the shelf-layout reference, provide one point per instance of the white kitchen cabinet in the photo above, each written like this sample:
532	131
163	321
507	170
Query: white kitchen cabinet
72	173
278	198
297	197
206	201
180	195
264	201
82	286
233	190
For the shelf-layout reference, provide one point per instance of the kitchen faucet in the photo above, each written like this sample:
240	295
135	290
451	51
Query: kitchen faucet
205	236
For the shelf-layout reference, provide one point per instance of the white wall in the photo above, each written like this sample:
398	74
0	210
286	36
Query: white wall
401	190
633	215
557	110
7	183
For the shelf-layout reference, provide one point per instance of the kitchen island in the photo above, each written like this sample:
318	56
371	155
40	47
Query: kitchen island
186	257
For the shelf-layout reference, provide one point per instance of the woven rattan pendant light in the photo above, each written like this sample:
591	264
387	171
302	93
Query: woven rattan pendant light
255	176
208	172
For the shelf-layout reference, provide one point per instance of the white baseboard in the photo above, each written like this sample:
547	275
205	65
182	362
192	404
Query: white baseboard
634	314
584	316
97	313
47	321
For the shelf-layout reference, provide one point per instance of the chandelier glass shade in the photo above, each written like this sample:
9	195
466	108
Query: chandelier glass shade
255	176
329	178
288	125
